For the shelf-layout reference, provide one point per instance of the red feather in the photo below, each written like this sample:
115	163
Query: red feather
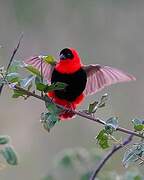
70	105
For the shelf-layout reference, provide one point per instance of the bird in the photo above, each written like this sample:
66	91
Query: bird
81	80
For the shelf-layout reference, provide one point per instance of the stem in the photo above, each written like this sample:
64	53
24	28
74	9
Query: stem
11	59
82	114
108	156
41	69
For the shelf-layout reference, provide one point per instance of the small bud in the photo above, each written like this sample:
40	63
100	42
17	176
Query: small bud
12	85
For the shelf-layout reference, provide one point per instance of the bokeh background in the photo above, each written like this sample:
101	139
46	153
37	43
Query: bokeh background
109	32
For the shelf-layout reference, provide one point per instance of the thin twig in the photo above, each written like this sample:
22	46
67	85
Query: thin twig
108	156
82	114
11	59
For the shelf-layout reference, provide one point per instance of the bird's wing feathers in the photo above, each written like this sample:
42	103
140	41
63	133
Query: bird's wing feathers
99	77
38	63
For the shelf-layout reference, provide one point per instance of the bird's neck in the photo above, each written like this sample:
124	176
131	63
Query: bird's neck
68	66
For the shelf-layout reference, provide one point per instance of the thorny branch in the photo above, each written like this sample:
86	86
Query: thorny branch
108	156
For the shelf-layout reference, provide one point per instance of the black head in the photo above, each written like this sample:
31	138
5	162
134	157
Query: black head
66	54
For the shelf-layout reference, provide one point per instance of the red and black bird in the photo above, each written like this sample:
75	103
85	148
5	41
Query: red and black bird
82	80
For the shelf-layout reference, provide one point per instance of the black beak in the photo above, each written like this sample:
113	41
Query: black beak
62	57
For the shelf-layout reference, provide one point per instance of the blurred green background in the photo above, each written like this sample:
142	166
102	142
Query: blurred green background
109	32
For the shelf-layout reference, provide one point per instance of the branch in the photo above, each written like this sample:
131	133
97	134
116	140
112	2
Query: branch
11	59
108	156
82	114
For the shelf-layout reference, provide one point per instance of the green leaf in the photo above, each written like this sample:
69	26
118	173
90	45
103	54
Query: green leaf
132	175
85	176
138	124
55	86
52	108
49	59
17	93
129	157
46	88
48	120
66	161
4	139
13	77
111	125
37	80
41	86
33	70
9	155
132	154
93	107
15	65
48	177
27	81
103	139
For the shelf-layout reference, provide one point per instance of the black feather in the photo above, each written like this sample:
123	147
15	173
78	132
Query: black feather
76	84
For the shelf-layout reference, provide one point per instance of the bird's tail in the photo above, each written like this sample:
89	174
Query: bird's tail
66	114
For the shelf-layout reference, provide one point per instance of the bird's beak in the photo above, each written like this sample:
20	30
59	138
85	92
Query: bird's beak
62	57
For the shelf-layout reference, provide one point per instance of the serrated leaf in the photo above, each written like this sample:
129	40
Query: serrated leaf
33	70
103	139
49	59
4	139
27	81
9	155
138	124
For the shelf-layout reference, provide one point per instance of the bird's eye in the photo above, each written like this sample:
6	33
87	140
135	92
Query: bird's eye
66	54
69	55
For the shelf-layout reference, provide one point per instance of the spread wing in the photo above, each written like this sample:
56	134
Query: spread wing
99	77
39	63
